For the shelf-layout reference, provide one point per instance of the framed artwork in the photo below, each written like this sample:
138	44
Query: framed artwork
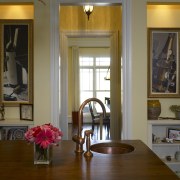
163	62
16	62
26	112
174	134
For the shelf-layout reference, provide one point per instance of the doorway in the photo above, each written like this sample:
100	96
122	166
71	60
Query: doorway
88	64
114	37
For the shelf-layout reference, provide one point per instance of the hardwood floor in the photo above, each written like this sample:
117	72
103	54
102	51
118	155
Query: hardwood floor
96	136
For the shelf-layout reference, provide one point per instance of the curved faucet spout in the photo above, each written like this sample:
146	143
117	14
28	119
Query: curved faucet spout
78	138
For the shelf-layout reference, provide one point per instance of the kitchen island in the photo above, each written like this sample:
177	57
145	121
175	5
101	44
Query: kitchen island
16	162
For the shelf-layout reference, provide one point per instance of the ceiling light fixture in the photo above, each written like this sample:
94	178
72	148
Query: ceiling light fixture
88	10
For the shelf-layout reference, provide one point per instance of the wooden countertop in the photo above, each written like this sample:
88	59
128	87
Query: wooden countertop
16	162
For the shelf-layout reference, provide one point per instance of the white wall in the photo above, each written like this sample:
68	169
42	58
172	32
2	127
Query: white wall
41	71
139	71
42	82
140	22
164	16
141	19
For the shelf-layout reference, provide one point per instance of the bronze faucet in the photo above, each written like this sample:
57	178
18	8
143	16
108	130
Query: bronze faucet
78	138
87	134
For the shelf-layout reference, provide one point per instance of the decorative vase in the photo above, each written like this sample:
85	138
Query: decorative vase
154	109
177	155
177	114
41	155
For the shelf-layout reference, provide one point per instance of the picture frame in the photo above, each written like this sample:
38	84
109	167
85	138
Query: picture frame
26	112
16	62
174	134
163	63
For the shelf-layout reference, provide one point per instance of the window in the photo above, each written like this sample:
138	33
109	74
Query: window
93	69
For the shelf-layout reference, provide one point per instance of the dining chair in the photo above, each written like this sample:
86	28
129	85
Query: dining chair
96	118
107	100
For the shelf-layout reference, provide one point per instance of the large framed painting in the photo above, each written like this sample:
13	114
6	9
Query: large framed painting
163	62
16	57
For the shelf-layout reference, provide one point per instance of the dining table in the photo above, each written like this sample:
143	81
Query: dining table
100	111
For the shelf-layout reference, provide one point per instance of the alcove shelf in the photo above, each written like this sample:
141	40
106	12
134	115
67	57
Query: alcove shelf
14	129
16	122
158	129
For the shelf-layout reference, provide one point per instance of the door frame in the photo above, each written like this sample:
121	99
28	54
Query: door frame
113	36
126	59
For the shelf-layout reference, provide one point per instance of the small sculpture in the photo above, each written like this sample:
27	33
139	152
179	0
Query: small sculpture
42	2
2	112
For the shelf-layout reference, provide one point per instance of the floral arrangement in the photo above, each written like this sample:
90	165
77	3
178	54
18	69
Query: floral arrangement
175	108
44	135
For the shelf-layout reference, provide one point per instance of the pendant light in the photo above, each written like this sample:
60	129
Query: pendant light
108	74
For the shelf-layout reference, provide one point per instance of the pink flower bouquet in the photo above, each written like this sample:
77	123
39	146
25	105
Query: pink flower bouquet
44	135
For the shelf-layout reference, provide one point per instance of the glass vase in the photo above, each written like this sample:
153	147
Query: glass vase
41	155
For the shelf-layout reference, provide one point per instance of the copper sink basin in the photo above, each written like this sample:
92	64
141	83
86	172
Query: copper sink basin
112	148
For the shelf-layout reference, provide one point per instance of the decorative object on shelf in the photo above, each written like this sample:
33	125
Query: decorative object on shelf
153	137
176	110
167	118
168	158
154	109
2	112
2	134
177	173
157	140
174	134
168	140
43	137
26	112
177	155
107	77
16	133
163	72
